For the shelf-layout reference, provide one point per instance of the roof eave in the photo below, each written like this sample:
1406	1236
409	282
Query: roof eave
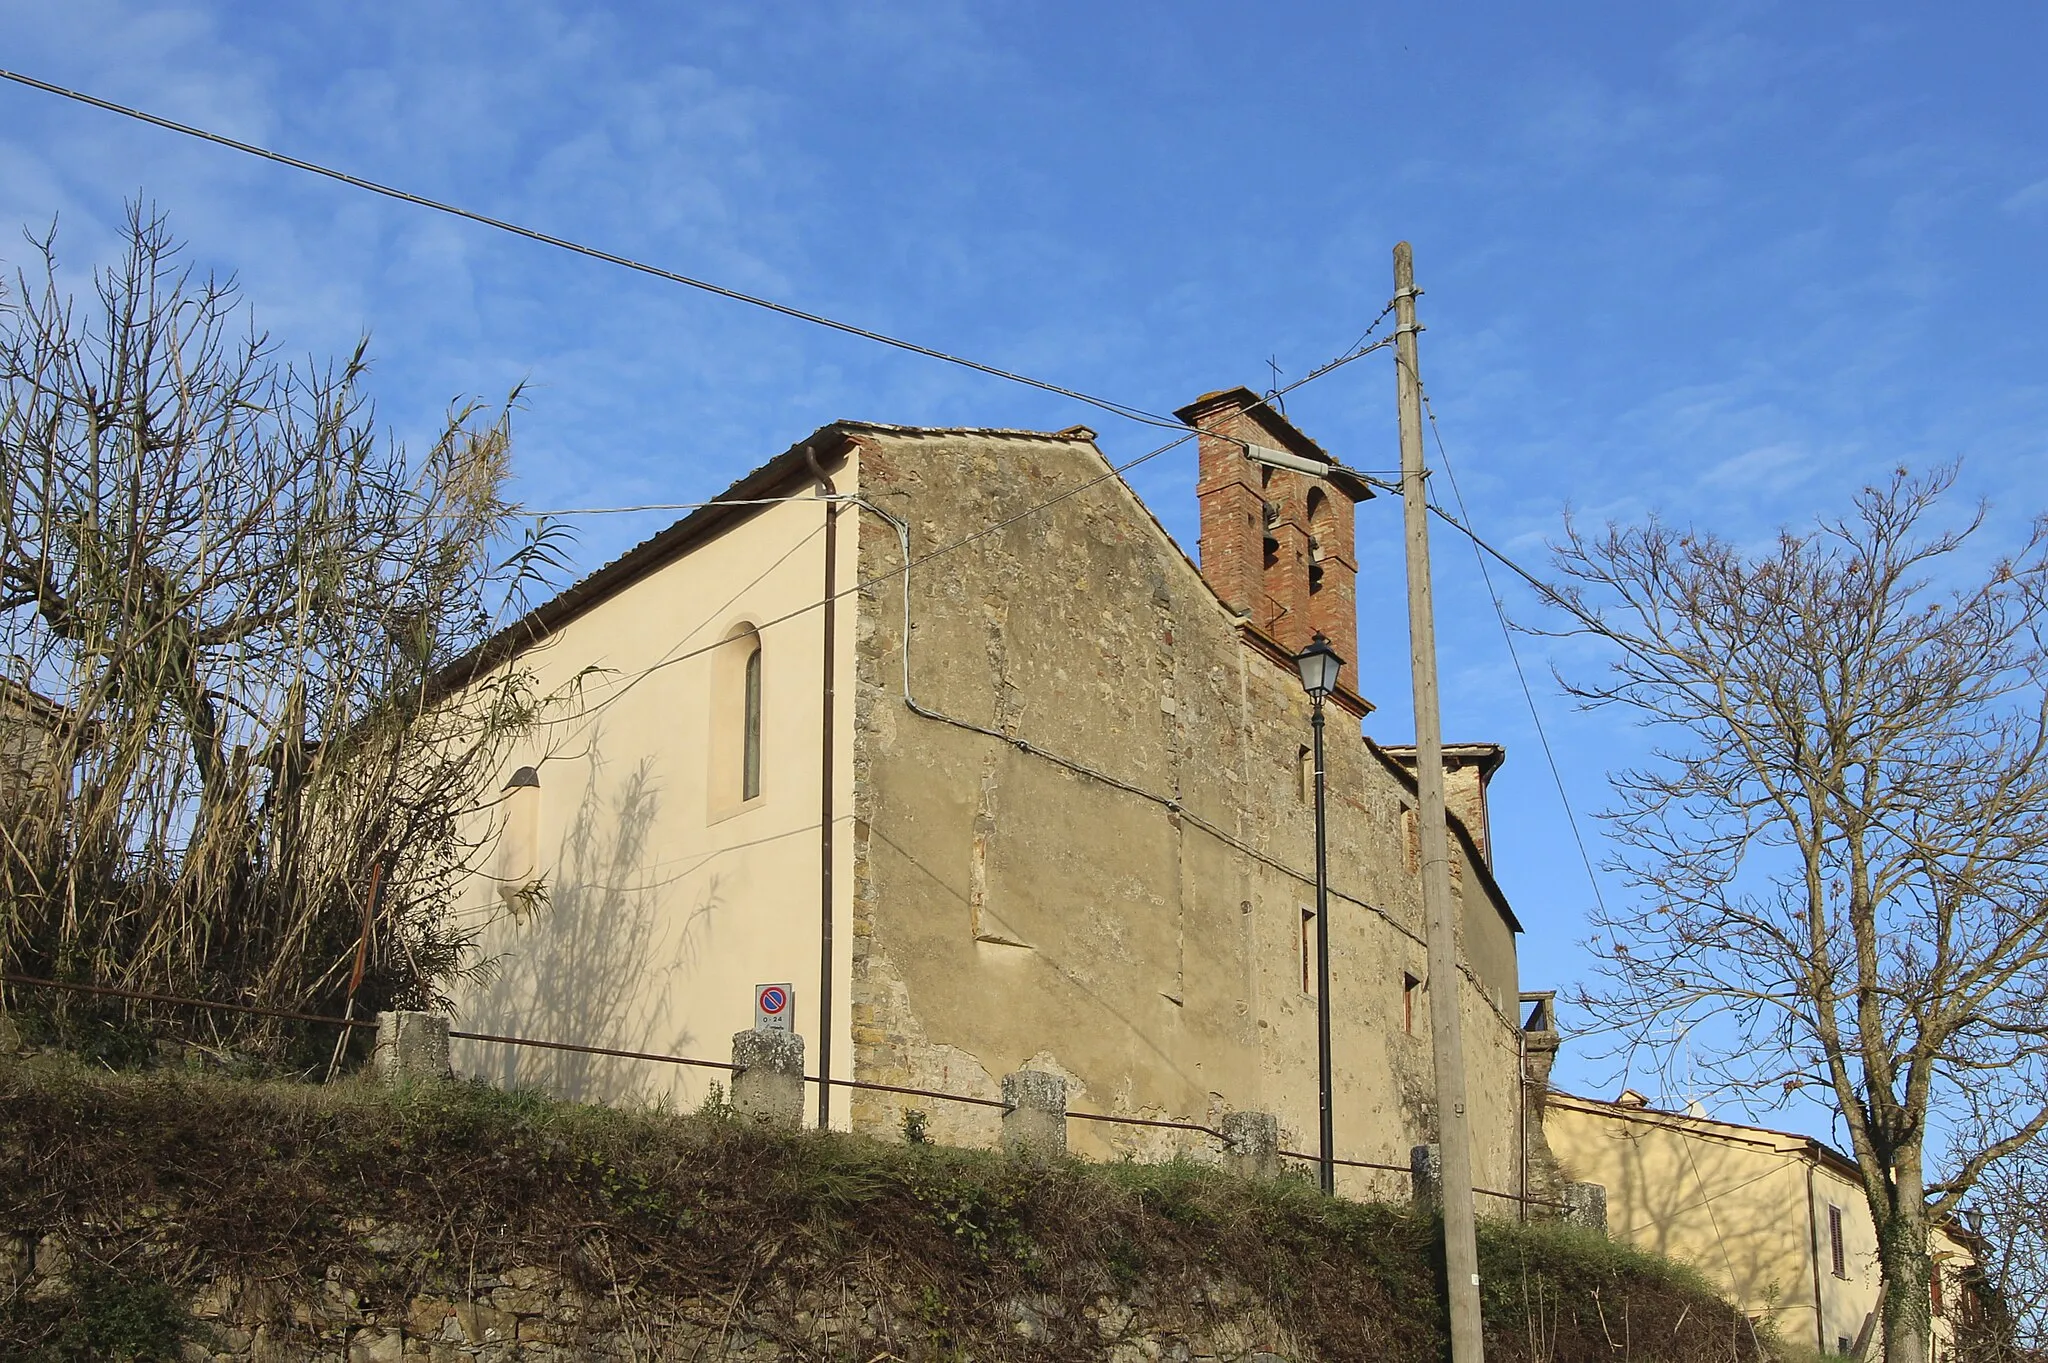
1260	410
829	443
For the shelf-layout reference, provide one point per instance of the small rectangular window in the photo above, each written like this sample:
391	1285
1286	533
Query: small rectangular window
1308	951
1934	1303
1840	1257
1305	775
1410	987
1844	1345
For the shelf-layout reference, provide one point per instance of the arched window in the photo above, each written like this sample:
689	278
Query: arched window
518	869
738	711
750	727
1318	537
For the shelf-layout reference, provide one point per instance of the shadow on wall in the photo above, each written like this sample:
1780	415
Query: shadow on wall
1725	1210
586	967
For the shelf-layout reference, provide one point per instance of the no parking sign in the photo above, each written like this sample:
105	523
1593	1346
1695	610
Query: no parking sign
774	1008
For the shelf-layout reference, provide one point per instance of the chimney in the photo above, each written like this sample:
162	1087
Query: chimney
1468	767
1276	545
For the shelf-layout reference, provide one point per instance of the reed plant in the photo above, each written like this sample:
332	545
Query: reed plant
238	591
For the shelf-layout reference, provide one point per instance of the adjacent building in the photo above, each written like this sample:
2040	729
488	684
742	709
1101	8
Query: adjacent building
942	729
31	730
1777	1221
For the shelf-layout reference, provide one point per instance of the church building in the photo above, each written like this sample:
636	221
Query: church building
943	730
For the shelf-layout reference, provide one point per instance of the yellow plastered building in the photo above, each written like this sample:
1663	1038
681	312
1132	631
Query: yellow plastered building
1777	1221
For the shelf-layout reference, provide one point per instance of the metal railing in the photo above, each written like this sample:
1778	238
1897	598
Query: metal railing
695	1062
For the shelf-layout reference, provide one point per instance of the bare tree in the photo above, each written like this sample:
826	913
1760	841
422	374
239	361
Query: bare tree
2009	1210
1840	850
239	590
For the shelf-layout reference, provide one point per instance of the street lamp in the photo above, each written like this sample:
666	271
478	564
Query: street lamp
1319	666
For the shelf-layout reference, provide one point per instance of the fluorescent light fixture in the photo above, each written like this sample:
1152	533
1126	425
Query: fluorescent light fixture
1350	482
1281	459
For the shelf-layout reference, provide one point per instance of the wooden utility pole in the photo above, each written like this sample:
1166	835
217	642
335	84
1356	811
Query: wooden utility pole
1454	1136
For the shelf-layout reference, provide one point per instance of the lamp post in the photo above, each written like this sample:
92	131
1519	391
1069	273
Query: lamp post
1319	666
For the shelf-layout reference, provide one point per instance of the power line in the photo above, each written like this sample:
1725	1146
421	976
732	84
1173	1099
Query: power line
1356	352
1550	595
522	513
673	659
1115	471
1507	635
1137	414
1124	410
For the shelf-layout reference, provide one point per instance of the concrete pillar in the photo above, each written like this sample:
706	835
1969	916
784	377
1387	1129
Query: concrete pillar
768	1077
1034	1114
411	1048
1251	1144
1426	1177
1585	1204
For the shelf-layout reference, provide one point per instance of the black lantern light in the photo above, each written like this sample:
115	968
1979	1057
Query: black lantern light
1319	666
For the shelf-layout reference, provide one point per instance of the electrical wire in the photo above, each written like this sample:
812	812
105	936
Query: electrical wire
550	513
1551	596
1126	411
1507	635
671	658
1114	471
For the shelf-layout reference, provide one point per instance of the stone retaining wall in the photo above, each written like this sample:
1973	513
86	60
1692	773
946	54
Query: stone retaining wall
536	1315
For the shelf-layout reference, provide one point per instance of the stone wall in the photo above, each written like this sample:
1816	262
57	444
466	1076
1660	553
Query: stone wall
1088	848
497	1314
29	726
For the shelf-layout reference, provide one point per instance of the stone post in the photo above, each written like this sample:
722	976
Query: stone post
1426	1177
768	1077
411	1048
1251	1144
1034	1114
1585	1204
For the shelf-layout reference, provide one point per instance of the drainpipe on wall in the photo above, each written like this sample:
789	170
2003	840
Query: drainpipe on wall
1521	1119
826	781
1820	1325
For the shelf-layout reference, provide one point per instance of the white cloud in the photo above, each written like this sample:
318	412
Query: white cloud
1773	469
2030	201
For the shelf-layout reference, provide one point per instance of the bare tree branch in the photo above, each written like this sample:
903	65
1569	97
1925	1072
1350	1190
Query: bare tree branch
1841	847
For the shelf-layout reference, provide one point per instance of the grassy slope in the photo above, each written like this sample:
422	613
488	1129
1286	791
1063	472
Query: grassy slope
278	1180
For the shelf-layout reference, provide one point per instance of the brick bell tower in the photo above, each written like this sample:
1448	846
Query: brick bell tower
1276	545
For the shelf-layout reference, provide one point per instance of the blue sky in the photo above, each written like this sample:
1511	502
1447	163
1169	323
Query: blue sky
1722	262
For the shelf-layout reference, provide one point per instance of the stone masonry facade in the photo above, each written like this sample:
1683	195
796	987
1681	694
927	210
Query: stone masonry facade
1084	841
